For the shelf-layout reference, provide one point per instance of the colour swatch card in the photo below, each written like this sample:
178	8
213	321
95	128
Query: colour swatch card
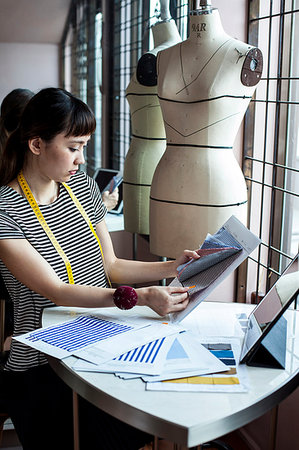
212	252
230	246
234	379
95	339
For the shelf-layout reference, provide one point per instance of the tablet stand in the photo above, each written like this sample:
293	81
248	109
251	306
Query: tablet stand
271	351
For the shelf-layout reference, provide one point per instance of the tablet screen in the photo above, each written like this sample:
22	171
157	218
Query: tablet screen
270	309
104	177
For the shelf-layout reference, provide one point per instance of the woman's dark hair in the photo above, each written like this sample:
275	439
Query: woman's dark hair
50	112
12	108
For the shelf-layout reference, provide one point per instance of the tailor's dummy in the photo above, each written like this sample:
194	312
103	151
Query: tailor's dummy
148	141
204	86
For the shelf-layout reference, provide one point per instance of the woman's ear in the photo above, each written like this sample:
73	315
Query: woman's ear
35	145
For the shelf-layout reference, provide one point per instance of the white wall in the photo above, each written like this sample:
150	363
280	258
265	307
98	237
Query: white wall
30	66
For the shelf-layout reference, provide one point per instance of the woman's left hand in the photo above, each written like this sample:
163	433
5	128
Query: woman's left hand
163	299
184	258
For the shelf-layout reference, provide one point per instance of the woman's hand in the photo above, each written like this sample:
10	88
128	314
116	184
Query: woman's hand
163	299
184	258
110	199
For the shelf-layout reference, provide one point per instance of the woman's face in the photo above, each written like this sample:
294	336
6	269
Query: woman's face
60	158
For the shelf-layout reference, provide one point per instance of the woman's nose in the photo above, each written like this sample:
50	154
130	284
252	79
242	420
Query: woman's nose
80	158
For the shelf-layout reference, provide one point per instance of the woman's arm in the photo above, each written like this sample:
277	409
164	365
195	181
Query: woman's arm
31	269
123	271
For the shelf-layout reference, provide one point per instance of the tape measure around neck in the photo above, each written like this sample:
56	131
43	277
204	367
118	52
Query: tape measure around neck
32	202
86	218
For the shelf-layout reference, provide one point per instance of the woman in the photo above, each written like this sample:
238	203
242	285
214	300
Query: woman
12	107
51	222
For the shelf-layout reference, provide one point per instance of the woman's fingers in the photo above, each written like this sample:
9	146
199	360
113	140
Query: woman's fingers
180	302
177	289
191	254
164	300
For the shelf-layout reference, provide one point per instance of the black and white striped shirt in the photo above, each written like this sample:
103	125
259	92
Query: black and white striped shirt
18	221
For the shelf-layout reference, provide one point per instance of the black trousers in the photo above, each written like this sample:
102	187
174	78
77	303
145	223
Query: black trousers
40	406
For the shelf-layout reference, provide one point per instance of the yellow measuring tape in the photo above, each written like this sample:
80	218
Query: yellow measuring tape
28	194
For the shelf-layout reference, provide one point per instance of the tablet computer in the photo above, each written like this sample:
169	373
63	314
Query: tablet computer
108	180
267	313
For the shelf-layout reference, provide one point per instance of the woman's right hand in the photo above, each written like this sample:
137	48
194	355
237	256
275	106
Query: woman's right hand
110	199
163	299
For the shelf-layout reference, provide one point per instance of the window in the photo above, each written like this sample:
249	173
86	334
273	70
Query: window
80	54
132	38
271	160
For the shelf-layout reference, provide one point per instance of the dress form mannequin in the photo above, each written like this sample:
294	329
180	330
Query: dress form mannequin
204	86
148	141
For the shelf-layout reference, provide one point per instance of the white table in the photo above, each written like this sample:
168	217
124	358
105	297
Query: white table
188	419
114	222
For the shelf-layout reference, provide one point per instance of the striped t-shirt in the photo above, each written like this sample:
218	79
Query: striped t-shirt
18	221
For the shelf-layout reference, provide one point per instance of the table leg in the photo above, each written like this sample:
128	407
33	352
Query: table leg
76	421
156	443
273	428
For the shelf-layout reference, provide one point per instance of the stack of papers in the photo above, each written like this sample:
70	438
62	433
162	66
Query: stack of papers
106	345
163	359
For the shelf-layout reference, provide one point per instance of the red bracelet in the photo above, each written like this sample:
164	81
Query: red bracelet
125	297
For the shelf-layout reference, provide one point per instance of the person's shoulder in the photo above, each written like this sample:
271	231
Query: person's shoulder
80	178
81	181
7	202
7	196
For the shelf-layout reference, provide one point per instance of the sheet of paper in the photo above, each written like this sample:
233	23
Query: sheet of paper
98	352
187	357
225	323
63	339
233	380
147	359
233	232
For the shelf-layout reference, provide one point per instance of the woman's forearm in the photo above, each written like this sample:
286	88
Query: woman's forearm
159	298
130	272
81	295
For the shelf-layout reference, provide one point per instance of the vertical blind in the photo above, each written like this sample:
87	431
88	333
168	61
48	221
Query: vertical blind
271	147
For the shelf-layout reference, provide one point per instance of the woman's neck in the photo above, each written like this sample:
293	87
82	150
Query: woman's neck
44	191
206	28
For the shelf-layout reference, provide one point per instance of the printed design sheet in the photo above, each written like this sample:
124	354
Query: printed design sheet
233	379
161	359
148	358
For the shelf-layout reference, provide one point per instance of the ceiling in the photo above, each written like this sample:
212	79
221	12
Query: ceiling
33	21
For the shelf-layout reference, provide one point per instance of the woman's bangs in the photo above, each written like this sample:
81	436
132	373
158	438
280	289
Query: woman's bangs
81	122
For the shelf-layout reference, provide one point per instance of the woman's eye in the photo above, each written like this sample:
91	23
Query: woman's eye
73	149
